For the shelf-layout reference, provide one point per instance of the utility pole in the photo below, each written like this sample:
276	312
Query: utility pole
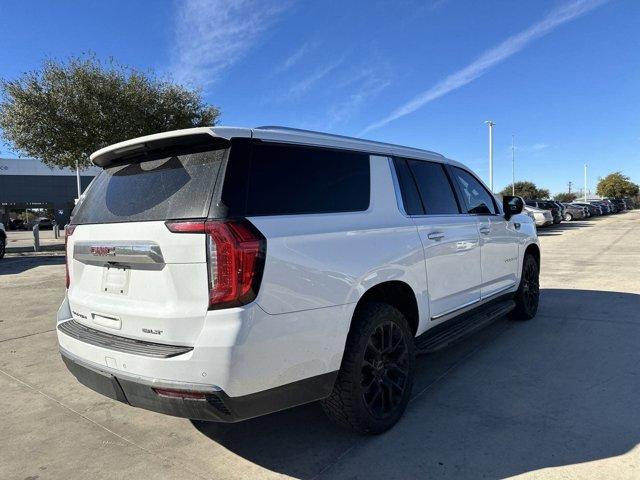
513	165
78	180
491	124
585	183
570	184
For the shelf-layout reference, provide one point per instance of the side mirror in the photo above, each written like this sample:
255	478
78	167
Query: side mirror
512	206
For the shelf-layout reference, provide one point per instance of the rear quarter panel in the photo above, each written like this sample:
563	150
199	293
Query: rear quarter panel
324	260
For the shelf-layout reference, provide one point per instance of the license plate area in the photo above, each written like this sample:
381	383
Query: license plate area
115	279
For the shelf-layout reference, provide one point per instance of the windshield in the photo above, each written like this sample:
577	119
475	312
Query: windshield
162	186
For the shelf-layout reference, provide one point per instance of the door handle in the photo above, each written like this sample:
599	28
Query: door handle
485	230
516	225
435	236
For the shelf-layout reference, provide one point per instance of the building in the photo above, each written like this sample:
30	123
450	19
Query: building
28	187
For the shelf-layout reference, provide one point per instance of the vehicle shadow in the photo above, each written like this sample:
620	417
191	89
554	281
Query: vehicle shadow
13	265
561	389
563	227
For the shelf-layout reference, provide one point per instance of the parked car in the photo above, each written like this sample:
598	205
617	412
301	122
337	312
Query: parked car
574	212
561	207
43	224
594	210
306	278
547	205
542	218
612	206
619	203
3	240
606	208
15	224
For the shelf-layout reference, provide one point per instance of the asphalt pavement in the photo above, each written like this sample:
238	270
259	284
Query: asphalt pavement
553	398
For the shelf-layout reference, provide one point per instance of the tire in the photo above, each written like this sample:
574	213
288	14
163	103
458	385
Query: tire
376	376
3	247
528	295
568	217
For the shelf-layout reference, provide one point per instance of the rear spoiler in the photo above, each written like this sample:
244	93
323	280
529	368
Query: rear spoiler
108	155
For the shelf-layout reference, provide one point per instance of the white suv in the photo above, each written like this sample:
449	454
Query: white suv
225	273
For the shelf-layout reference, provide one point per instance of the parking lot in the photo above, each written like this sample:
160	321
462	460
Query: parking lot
556	397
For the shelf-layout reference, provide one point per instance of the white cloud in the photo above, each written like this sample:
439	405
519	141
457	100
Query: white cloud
304	85
211	35
536	147
302	51
491	58
368	83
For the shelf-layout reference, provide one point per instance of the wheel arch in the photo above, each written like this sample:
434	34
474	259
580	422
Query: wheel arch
396	293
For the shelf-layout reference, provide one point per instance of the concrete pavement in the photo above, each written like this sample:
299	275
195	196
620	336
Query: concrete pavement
21	241
555	397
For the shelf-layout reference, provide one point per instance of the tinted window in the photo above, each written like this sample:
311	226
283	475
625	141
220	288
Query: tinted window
287	180
410	197
434	187
477	199
157	187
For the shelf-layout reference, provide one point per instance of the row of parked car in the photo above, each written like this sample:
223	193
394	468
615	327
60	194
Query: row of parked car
549	212
43	223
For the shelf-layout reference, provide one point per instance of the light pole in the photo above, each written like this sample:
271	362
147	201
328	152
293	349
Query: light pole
78	180
491	124
585	183
513	165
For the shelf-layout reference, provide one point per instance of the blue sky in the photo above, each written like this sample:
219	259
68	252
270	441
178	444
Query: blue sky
563	76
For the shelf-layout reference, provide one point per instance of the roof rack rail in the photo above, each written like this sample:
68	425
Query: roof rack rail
345	137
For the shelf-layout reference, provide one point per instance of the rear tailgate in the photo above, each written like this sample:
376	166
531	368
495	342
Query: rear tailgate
139	280
128	274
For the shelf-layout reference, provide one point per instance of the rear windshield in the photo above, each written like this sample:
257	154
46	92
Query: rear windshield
160	186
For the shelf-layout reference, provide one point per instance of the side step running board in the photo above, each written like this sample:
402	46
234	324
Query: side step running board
454	330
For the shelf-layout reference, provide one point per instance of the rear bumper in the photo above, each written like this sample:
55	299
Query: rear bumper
216	404
247	362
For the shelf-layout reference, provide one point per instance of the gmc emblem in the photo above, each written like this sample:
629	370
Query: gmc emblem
103	251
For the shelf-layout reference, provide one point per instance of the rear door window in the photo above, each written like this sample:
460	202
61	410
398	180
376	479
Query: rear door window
476	198
158	186
275	179
434	187
410	197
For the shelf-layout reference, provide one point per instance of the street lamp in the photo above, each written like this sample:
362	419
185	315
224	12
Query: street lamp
585	183
78	179
491	124
513	165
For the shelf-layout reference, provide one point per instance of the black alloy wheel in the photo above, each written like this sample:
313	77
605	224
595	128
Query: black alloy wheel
528	295
374	383
385	370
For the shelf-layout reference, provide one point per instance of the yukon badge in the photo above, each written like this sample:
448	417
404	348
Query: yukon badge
102	251
152	331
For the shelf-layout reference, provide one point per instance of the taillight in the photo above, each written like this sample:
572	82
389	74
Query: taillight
235	259
68	231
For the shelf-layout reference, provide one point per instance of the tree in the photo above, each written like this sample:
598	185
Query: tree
526	190
565	197
67	110
616	185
